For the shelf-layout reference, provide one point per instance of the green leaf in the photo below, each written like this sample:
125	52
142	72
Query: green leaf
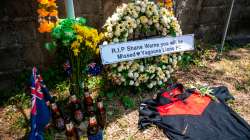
50	46
81	20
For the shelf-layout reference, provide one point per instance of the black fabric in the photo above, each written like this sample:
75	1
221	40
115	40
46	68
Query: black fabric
217	122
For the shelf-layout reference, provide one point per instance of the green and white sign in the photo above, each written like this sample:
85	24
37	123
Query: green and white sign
132	50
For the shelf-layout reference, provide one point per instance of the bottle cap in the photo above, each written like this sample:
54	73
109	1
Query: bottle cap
53	106
100	104
73	98
92	120
86	94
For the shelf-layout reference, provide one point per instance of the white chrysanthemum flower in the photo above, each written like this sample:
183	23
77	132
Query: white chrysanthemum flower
164	67
143	78
171	70
119	68
168	76
165	21
116	40
150	22
170	60
124	40
137	83
131	6
152	76
161	75
105	43
149	13
121	9
164	33
125	35
137	8
114	65
150	85
165	79
136	75
121	27
115	17
144	20
135	14
117	33
160	82
167	72
131	82
141	69
143	9
110	35
158	69
179	58
154	83
123	79
109	29
155	19
130	74
157	26
130	63
130	31
164	12
151	69
169	67
164	30
138	21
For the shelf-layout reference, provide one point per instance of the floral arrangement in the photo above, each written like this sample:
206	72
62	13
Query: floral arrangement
79	42
166	3
47	15
136	20
75	34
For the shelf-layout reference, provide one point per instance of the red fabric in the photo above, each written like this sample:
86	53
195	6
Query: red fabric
172	94
195	104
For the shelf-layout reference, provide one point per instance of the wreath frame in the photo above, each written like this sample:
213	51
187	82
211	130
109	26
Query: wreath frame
139	20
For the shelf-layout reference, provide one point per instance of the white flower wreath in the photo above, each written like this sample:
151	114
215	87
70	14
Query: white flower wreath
141	18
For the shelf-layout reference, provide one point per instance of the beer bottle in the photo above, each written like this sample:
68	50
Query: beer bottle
101	113
88	101
76	109
93	127
88	98
70	129
57	116
94	132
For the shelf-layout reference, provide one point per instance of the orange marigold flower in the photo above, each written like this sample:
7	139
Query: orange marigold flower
169	4
45	26
51	4
51	0
42	12
54	13
43	1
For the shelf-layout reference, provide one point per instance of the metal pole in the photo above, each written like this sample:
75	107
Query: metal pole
69	6
226	28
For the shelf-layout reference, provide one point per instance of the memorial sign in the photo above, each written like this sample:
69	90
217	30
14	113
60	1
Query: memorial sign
132	50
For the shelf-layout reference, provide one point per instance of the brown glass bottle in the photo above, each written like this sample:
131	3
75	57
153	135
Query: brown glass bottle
70	129
76	109
101	113
88	99
88	102
93	127
57	116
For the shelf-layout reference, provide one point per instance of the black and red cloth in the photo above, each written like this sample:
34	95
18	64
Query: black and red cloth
184	114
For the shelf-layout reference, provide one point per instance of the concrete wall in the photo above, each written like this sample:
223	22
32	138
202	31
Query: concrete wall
21	44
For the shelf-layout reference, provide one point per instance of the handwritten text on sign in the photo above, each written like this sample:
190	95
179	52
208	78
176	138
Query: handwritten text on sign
131	50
